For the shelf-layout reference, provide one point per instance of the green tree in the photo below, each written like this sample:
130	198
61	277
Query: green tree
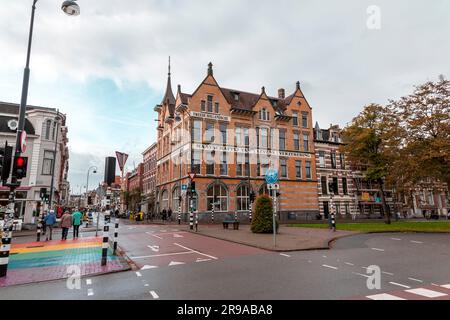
370	145
262	221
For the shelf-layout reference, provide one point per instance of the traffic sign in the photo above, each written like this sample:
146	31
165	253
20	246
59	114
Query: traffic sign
184	187
271	176
192	175
23	141
274	186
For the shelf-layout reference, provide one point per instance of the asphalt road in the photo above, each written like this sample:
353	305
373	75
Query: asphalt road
174	264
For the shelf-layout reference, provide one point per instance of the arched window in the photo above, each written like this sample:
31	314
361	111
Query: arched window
165	200
242	197
48	124
220	195
54	130
176	199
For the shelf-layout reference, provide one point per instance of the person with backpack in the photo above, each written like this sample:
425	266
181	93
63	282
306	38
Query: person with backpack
66	223
50	221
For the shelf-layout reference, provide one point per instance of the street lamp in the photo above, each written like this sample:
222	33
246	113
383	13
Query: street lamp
70	8
57	118
87	180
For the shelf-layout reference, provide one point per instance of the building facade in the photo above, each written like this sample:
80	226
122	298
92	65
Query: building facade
333	167
229	138
149	178
46	129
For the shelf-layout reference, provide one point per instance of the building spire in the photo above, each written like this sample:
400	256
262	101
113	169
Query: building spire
169	98
169	67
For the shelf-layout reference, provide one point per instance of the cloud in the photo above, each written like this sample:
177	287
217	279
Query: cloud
107	68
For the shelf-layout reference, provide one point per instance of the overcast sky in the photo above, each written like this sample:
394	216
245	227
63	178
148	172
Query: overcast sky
107	68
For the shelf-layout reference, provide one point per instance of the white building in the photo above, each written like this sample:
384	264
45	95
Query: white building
44	126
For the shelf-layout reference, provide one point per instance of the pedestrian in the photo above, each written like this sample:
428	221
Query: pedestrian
76	221
169	214
44	225
50	221
164	214
66	223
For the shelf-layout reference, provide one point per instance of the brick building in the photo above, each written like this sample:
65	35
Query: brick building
149	177
229	138
332	167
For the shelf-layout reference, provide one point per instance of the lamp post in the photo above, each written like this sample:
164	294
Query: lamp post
55	151
87	179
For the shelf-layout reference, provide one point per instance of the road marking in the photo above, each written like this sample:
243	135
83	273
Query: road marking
202	260
384	296
163	255
362	275
388	273
146	285
206	255
396	239
162	230
331	267
285	255
400	285
418	242
150	232
324	256
154	294
154	248
436	285
176	235
417	280
154	235
377	249
446	286
90	292
426	293
88	282
138	274
349	264
175	263
146	267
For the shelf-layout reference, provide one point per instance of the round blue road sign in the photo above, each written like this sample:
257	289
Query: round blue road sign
271	176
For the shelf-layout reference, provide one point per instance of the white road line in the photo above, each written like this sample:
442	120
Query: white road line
418	242
154	235
138	274
206	255
154	248
146	285
446	286
349	264
360	274
324	256
154	294
88	282
285	255
163	255
388	273
426	293
331	267
396	239
378	249
417	280
400	285
436	285
384	296
90	292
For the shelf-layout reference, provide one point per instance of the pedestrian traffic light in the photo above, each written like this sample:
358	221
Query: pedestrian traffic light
192	186
5	162
20	167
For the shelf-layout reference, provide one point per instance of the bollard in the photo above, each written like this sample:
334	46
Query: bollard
250	211
212	214
179	214
196	222
105	244
39	229
4	251
191	218
235	216
116	235
333	221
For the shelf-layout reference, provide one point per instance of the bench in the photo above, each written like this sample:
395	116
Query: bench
235	224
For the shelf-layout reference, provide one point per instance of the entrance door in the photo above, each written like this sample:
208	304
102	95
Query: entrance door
326	209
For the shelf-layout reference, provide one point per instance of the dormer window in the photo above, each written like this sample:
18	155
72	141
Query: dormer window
236	97
210	103
264	115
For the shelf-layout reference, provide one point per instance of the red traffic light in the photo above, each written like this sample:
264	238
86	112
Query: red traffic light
20	162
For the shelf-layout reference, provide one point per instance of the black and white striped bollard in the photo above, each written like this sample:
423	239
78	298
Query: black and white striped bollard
39	229
235	216
250	211
4	251
105	244
179	214
212	213
191	217
196	222
116	236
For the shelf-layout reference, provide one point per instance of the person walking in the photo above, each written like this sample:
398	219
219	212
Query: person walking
66	223
169	214
164	214
76	221
44	225
50	220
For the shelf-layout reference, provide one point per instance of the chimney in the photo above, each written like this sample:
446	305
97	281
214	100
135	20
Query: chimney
281	93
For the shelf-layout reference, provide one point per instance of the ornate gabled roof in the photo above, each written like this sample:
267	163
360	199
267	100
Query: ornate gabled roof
169	98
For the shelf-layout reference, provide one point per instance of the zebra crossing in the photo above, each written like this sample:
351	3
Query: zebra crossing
431	292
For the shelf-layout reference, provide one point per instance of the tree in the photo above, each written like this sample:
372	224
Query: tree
262	221
424	150
370	145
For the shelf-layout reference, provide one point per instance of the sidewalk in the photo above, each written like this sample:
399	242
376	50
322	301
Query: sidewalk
31	262
288	239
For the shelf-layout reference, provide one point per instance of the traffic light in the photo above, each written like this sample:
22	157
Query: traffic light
252	197
5	162
20	167
331	187
192	186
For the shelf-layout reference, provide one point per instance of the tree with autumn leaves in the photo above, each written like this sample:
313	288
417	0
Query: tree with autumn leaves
404	143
